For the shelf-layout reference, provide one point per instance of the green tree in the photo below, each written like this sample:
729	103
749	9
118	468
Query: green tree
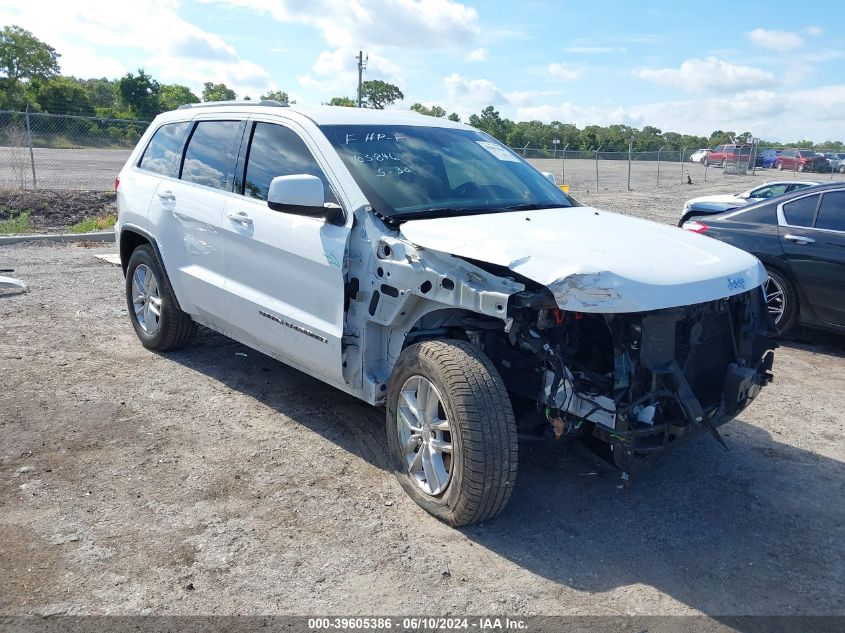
171	96
63	95
345	102
435	110
217	92
454	117
377	94
23	57
277	95
491	122
139	95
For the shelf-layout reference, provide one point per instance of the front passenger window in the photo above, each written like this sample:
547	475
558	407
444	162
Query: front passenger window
278	151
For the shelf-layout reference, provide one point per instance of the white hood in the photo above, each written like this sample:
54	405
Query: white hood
597	261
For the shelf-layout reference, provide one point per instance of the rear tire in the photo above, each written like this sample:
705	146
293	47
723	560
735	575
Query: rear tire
152	306
470	411
779	166
801	167
782	301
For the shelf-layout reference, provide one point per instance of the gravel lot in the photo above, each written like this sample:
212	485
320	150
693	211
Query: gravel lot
217	480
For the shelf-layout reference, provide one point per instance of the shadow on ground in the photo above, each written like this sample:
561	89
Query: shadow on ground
758	529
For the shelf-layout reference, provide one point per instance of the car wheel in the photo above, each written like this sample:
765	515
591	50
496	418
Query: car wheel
451	431
152	306
842	169
782	301
801	167
779	166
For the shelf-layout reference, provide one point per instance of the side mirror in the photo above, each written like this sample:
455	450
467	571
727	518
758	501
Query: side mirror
301	194
550	177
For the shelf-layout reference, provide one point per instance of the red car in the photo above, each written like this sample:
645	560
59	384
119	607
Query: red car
801	160
719	154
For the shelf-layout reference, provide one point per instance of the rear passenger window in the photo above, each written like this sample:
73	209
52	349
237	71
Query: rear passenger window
278	151
210	157
164	152
832	211
801	212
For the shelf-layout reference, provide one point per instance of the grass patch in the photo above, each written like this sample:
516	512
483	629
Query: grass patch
17	223
89	225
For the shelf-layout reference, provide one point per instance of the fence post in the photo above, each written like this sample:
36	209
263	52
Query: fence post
630	148
29	141
658	166
683	151
525	150
597	168
563	166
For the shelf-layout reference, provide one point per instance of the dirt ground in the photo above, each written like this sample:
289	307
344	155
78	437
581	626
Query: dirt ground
54	211
216	480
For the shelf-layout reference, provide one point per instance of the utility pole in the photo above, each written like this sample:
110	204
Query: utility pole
362	65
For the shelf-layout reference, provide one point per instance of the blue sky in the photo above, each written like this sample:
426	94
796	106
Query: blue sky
772	68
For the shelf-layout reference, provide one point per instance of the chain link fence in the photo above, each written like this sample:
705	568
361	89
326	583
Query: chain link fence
597	170
53	151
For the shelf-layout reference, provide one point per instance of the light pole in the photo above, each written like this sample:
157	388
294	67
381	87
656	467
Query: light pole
555	143
362	65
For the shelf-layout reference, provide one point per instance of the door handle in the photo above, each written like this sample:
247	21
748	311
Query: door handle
799	239
239	216
166	196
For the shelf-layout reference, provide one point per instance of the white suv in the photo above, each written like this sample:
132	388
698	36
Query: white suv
422	266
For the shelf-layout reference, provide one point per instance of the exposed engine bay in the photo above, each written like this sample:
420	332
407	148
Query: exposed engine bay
629	385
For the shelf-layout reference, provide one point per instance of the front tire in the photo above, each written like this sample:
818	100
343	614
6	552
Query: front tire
152	306
782	301
451	431
779	166
801	167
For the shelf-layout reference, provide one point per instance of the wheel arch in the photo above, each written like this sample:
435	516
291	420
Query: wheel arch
131	237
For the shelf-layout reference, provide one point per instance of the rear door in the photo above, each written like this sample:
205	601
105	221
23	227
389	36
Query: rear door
159	162
284	272
188	212
812	234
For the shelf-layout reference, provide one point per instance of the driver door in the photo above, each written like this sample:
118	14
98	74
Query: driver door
284	279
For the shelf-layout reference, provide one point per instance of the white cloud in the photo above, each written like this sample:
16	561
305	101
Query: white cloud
153	36
478	55
703	75
563	71
371	23
813	31
776	40
813	114
527	98
467	96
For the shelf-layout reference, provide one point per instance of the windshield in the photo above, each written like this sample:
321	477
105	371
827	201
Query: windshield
419	171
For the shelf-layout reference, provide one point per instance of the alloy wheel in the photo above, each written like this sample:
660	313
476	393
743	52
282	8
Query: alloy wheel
775	299
146	301
425	436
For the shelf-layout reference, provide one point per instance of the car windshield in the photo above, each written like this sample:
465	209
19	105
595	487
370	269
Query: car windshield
409	171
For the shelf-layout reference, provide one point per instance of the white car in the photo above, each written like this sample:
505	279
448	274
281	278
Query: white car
420	265
767	190
698	155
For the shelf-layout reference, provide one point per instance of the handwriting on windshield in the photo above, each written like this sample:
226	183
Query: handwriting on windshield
384	170
372	137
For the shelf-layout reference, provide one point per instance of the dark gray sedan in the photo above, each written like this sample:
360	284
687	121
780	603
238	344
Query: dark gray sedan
800	238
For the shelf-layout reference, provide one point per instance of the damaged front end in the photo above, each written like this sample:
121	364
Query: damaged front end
630	385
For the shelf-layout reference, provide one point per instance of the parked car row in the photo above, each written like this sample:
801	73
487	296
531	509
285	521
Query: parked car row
790	159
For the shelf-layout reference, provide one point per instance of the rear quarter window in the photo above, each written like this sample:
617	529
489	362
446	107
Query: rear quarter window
766	214
164	152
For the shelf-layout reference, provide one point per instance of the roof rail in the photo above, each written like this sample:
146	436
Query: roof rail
213	104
